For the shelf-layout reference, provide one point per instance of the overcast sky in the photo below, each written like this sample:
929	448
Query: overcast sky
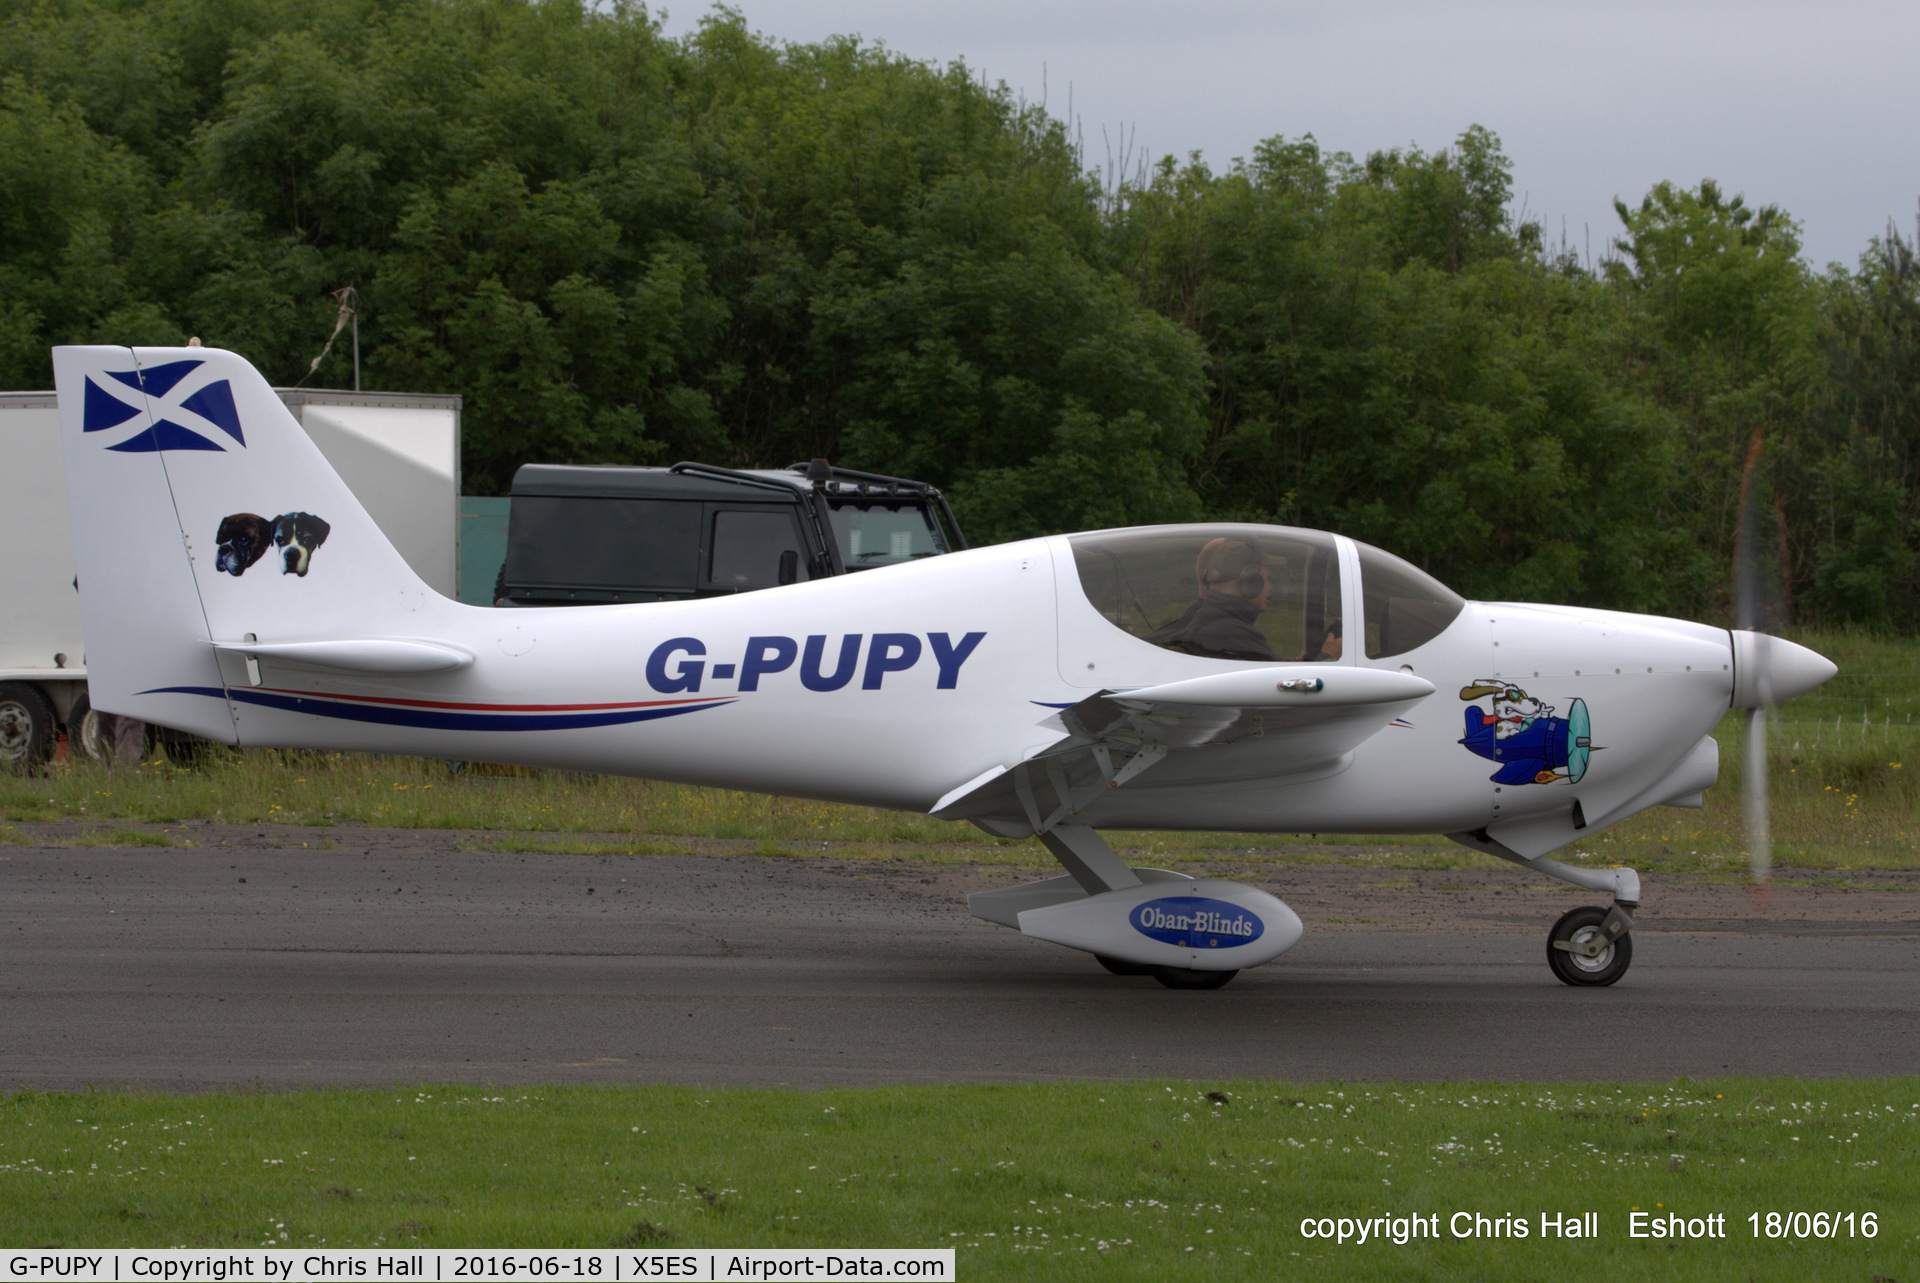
1808	106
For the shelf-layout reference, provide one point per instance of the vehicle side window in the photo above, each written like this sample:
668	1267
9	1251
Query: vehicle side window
748	548
1406	607
603	543
1260	593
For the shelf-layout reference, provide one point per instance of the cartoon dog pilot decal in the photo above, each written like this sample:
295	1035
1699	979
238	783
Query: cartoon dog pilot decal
1531	745
246	537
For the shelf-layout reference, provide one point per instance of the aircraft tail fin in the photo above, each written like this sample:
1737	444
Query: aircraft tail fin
204	517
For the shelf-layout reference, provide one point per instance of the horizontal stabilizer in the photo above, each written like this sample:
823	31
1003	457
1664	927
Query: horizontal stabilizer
359	655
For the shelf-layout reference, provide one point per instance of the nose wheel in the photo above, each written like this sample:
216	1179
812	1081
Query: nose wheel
1590	945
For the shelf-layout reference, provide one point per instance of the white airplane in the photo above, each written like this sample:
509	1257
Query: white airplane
1213	677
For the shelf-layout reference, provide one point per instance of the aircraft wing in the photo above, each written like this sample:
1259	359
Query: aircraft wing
1274	722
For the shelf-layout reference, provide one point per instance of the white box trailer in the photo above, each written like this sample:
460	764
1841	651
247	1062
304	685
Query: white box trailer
398	452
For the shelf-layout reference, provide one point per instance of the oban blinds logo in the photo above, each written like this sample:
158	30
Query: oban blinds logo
179	422
1196	922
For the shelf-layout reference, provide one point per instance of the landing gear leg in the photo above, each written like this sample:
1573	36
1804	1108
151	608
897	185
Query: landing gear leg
1590	945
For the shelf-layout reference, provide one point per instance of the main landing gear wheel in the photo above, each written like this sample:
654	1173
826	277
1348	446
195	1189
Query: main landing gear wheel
1182	978
1579	927
1121	967
87	735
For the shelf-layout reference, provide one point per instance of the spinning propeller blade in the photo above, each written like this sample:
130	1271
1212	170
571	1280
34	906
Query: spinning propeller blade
1757	597
1754	807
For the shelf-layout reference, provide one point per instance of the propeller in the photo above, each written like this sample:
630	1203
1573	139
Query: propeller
1750	612
1767	669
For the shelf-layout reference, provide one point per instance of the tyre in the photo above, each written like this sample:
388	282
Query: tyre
1182	978
1577	926
1121	967
26	727
88	738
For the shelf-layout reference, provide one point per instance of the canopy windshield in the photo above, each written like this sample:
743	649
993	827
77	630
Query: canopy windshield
1405	606
1260	593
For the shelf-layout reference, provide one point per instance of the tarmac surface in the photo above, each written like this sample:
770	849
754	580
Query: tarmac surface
406	959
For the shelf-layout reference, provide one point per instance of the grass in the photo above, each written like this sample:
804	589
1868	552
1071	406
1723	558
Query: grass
533	809
1130	1179
123	837
1843	770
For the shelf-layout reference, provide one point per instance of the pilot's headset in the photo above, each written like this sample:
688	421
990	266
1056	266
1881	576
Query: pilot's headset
1237	563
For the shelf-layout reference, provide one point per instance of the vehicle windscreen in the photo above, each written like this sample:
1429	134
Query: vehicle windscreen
604	543
1261	593
877	533
1406	607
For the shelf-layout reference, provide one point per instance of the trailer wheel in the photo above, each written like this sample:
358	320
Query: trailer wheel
26	727
87	735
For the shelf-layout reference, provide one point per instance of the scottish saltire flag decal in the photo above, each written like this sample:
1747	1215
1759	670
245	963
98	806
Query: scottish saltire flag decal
104	410
210	405
442	715
159	380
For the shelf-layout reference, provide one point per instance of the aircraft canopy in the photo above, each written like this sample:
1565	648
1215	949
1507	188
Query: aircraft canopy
1405	606
1259	593
1221	591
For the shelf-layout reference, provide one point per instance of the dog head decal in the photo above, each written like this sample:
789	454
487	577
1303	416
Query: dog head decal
297	535
244	539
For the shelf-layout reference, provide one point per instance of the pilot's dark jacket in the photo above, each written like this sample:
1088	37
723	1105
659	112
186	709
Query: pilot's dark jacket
1218	626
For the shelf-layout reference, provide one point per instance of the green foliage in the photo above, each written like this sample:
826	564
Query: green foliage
617	247
1862	500
1391	359
621	247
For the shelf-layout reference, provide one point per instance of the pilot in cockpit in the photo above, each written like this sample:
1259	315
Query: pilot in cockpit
1233	586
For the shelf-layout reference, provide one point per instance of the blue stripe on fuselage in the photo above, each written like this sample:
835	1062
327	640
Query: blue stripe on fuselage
437	719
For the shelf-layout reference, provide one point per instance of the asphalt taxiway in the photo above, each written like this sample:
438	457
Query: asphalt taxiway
190	968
